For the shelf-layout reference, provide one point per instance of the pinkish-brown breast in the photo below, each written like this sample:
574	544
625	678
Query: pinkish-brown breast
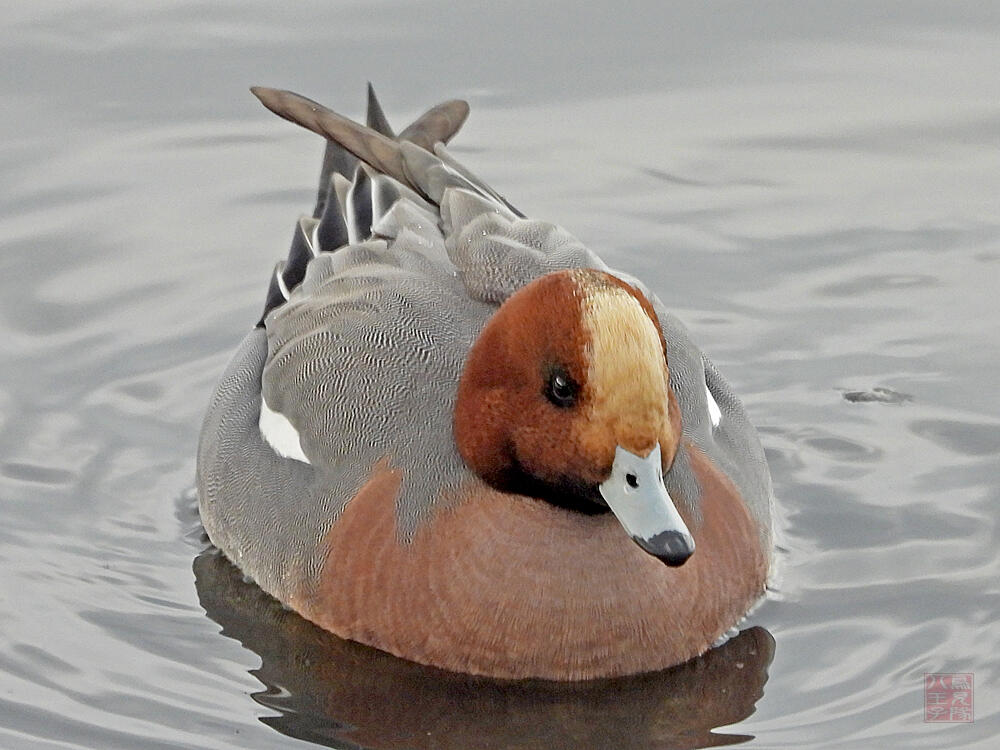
512	587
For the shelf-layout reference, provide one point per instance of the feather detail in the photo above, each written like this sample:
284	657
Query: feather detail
375	117
371	147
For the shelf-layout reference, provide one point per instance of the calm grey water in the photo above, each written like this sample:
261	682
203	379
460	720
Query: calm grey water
814	187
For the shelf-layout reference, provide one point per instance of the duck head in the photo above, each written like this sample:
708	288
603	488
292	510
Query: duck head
565	397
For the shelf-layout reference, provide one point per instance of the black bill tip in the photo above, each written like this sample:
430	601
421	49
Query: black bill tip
670	547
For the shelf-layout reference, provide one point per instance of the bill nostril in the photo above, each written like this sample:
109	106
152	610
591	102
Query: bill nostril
632	480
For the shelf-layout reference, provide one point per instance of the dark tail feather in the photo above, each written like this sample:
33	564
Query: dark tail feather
300	253
335	161
275	294
359	205
376	118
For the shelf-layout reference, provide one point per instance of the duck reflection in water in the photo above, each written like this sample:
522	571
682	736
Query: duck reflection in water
341	694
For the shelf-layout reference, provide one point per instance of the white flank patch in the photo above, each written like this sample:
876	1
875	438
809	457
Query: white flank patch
714	412
280	434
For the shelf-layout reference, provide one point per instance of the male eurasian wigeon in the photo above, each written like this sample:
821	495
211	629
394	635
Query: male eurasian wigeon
458	436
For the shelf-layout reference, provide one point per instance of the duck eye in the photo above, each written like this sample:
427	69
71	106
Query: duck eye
561	389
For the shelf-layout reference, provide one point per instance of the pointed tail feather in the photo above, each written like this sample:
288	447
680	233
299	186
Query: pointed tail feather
437	125
377	150
376	118
371	147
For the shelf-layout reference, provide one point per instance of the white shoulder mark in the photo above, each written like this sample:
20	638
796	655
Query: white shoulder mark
280	434
714	412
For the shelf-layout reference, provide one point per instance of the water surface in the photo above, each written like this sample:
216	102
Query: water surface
812	187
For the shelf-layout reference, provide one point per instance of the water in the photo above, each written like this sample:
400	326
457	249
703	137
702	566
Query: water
813	187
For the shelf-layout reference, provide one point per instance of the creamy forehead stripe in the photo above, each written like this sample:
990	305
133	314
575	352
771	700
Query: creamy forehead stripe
280	434
626	365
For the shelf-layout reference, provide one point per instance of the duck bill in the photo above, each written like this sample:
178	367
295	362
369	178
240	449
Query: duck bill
636	495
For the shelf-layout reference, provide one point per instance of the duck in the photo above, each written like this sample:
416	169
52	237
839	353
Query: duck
457	436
